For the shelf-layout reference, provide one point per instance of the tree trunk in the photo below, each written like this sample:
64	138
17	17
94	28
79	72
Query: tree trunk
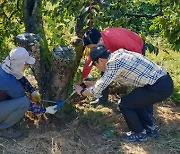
36	43
54	71
53	84
33	24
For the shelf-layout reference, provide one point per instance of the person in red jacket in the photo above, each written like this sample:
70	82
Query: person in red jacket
113	39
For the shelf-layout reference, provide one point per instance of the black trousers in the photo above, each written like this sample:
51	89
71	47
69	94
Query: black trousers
105	92
149	108
133	105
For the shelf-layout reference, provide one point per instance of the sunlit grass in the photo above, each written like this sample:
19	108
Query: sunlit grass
171	61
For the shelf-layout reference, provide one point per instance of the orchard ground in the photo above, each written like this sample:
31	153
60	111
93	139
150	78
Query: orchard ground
86	131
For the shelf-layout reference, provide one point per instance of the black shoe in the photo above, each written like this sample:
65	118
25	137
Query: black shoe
10	133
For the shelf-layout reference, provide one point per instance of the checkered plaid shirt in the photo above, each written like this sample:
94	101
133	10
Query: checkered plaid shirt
128	68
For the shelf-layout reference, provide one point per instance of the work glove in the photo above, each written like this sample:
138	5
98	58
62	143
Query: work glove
35	97
83	85
51	109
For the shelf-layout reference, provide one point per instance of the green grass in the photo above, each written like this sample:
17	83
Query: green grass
171	61
96	118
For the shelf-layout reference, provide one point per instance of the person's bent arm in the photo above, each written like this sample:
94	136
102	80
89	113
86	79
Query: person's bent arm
86	68
81	91
89	83
26	85
35	96
100	84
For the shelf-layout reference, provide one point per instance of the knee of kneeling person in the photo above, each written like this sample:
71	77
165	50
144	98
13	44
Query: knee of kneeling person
25	102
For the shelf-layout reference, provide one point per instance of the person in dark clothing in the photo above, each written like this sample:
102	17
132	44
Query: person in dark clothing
151	83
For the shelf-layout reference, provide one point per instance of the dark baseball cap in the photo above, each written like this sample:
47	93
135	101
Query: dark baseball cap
98	52
92	36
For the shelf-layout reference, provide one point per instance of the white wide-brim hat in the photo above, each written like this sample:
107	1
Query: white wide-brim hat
20	55
14	63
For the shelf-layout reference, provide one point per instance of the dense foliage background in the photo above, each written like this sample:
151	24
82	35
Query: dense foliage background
60	17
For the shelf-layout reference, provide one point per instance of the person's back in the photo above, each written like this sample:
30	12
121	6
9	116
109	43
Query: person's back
9	85
117	38
133	69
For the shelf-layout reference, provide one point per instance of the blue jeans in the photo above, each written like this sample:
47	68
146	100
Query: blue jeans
11	111
133	105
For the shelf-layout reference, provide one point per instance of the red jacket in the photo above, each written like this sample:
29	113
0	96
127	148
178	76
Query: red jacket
114	39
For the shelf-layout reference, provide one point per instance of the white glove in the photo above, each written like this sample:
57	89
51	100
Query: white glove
51	109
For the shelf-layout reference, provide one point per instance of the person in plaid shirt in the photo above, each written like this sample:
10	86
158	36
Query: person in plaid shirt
113	39
151	84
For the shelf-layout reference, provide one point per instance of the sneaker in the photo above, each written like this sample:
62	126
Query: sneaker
152	132
97	102
10	133
132	137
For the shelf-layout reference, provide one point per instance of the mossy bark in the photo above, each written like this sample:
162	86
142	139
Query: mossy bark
53	83
54	71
